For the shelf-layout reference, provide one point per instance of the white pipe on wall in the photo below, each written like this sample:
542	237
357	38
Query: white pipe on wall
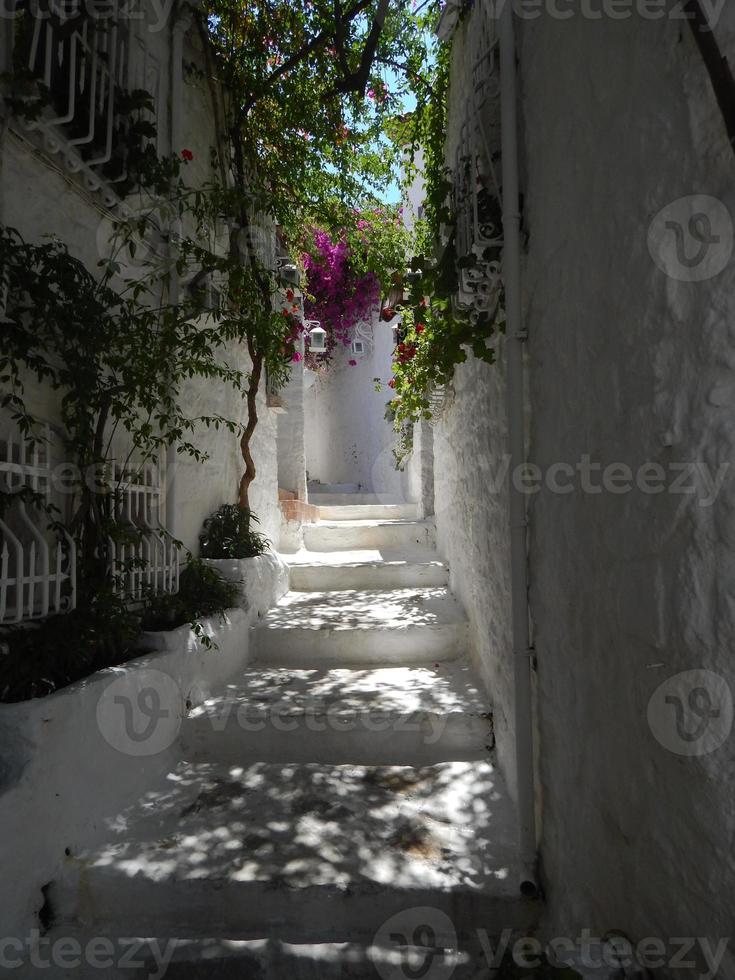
179	26
516	438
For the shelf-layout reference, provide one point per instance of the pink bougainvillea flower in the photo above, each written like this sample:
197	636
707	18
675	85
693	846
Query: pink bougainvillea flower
187	155
353	362
290	295
392	383
297	357
420	328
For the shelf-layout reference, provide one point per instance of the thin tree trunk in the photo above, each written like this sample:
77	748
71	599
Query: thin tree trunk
252	394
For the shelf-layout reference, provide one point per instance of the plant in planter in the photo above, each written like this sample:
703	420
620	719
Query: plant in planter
39	658
228	533
203	592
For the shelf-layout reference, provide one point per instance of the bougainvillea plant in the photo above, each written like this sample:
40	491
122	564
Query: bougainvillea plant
336	297
347	273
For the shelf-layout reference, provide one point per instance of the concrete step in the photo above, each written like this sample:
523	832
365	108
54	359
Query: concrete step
393	954
271	959
346	489
303	853
361	499
368	512
400	626
353	535
367	569
366	715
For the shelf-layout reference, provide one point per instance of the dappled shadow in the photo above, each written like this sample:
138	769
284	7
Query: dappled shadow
386	608
442	688
446	826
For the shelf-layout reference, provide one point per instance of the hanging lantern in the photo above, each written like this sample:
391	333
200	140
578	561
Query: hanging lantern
317	338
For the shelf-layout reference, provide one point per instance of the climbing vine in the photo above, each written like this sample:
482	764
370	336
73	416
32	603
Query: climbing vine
436	335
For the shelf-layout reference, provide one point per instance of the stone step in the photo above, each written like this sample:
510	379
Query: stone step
272	959
367	569
421	942
368	512
303	853
339	488
364	715
352	535
400	626
353	499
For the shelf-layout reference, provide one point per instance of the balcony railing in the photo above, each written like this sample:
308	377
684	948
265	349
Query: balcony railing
79	72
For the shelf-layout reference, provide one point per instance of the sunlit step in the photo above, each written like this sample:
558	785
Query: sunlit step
366	570
302	852
399	626
368	512
349	535
378	716
353	499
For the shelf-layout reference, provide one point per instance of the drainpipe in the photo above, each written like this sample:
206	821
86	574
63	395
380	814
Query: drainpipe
515	403
6	64
178	29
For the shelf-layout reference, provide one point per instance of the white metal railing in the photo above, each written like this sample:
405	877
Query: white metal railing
149	561
37	566
86	63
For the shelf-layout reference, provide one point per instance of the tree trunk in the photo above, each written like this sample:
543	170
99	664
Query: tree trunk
252	394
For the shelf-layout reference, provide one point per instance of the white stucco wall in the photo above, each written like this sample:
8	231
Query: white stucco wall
629	365
68	764
291	449
471	505
348	439
39	199
197	489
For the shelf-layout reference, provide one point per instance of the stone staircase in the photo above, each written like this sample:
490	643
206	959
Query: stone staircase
338	794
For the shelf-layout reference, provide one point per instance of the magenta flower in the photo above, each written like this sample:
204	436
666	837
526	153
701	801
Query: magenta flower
297	356
353	362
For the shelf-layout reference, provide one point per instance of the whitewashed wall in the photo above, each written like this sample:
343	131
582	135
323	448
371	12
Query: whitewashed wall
626	364
291	449
348	439
39	198
197	489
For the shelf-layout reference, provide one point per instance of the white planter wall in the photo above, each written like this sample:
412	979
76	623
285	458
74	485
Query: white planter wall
67	764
